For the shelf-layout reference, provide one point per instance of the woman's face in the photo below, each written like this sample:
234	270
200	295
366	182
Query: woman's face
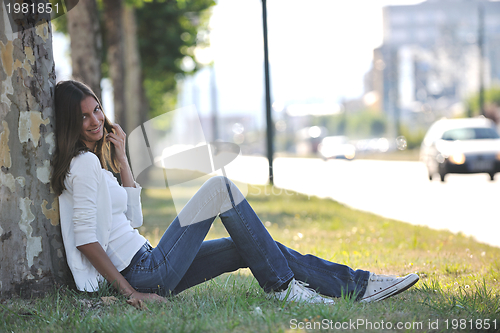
93	122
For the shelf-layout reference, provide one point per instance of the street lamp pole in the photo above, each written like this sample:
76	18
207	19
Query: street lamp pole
269	120
480	42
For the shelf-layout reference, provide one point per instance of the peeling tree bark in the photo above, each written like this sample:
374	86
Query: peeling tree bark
32	256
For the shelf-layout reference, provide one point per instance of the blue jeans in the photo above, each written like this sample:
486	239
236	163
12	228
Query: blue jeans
183	259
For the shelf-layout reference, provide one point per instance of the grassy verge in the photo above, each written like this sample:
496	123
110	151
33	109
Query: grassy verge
395	155
458	290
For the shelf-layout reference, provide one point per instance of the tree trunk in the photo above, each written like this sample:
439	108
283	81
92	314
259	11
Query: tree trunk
86	43
135	107
116	59
32	256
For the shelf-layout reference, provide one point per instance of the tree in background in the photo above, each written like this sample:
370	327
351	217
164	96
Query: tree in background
115	56
118	58
149	41
357	125
84	29
136	105
32	257
491	104
169	32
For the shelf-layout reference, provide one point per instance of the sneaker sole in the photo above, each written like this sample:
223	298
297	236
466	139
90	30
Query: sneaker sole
415	276
401	286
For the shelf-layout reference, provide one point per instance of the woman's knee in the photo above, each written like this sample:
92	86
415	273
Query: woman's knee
233	195
219	182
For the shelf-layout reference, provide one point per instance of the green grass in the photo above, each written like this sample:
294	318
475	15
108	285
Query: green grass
395	155
459	279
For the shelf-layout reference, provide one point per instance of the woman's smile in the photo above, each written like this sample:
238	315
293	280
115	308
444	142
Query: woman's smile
97	130
93	120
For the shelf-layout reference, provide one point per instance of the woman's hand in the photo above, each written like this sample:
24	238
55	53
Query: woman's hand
118	139
138	300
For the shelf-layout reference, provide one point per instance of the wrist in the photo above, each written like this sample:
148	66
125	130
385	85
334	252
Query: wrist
129	292
123	160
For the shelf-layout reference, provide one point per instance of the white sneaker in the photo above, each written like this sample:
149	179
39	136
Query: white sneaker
382	286
297	291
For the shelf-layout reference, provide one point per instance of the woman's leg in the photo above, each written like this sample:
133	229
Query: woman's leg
260	252
216	256
162	269
254	243
221	256
326	277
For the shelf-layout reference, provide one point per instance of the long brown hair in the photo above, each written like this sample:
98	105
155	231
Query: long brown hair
69	121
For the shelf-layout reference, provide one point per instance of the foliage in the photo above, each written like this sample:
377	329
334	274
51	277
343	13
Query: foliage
414	138
60	23
364	124
491	96
169	32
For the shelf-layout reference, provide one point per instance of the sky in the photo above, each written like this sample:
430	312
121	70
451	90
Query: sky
319	51
325	41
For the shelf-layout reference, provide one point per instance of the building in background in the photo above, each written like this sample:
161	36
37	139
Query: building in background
428	64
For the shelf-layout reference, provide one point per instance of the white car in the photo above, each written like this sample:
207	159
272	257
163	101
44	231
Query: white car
336	147
469	145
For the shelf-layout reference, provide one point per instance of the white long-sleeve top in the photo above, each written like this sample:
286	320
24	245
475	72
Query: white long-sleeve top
92	210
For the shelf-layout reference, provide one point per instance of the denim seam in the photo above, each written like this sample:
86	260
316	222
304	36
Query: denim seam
208	253
320	269
363	283
280	280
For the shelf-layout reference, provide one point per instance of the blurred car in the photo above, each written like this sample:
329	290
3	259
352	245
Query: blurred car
308	139
336	147
374	145
470	145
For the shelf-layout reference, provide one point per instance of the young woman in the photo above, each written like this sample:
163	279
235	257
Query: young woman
98	217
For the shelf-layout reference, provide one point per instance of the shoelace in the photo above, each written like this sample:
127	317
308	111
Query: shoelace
311	293
376	277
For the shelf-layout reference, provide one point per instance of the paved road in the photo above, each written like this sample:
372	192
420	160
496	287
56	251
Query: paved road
398	190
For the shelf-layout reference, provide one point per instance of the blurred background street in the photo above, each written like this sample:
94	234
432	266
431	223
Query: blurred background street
395	189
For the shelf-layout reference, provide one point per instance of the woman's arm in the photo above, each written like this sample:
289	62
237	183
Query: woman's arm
134	213
94	251
100	260
118	140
